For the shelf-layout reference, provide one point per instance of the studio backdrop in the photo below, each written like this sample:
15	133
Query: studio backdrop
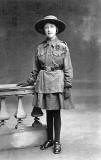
18	38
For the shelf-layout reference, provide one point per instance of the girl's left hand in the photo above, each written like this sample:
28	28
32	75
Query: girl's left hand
67	93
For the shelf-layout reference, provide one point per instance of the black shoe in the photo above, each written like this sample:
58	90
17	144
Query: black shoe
46	145
57	148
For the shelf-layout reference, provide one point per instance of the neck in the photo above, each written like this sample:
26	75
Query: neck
52	38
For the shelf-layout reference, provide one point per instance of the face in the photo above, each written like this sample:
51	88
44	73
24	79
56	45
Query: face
50	30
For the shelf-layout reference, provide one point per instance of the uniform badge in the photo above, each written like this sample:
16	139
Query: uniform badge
57	47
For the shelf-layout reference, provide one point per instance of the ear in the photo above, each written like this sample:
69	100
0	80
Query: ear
56	29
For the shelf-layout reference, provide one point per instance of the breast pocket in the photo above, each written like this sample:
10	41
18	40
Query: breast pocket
58	57
57	53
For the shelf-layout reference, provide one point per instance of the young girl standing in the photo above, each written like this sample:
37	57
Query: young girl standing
52	76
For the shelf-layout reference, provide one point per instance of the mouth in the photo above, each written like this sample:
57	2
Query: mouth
49	33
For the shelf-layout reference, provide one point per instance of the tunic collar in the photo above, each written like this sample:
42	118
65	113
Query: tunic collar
53	42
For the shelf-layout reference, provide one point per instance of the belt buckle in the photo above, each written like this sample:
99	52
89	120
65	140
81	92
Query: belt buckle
48	68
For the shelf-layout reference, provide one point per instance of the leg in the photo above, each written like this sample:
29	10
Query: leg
57	125
49	142
50	125
57	130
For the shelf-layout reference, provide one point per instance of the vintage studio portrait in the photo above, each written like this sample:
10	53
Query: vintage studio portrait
50	80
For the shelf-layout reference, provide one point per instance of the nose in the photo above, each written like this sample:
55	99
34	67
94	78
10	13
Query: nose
49	28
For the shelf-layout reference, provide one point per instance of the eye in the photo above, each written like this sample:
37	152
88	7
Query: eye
52	26
46	27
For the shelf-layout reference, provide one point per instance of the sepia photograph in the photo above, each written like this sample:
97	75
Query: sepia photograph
50	79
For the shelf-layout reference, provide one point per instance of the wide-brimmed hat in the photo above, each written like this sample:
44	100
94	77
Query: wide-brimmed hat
39	26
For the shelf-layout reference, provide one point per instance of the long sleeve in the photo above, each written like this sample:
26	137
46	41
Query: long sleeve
68	69
36	67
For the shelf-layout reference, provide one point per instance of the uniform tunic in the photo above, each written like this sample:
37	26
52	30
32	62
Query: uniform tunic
52	72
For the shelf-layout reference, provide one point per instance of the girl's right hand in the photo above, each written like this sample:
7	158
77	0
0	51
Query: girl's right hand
23	84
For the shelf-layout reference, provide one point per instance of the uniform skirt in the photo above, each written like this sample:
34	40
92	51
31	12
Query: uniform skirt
52	101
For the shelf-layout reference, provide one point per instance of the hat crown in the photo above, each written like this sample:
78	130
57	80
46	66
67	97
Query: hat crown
50	17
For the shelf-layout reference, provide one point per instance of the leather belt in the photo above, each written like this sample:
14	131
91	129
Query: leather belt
49	68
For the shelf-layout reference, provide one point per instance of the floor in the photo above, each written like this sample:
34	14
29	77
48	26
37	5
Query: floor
80	135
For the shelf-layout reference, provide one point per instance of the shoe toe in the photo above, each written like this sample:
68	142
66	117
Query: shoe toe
57	148
42	147
46	145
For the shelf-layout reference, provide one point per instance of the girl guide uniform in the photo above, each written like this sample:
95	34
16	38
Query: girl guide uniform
52	72
51	77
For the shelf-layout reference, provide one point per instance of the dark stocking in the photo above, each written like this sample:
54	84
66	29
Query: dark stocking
50	125
57	125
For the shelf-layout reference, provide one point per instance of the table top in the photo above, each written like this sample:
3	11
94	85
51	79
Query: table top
13	89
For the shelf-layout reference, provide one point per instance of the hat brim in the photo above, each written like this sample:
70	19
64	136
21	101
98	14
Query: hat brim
39	26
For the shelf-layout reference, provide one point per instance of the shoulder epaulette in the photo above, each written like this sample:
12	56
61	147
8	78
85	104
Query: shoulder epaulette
65	46
64	42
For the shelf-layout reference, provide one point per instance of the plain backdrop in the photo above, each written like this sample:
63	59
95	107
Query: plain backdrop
18	38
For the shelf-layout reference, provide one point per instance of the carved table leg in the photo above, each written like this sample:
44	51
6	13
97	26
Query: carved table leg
36	123
4	115
20	113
